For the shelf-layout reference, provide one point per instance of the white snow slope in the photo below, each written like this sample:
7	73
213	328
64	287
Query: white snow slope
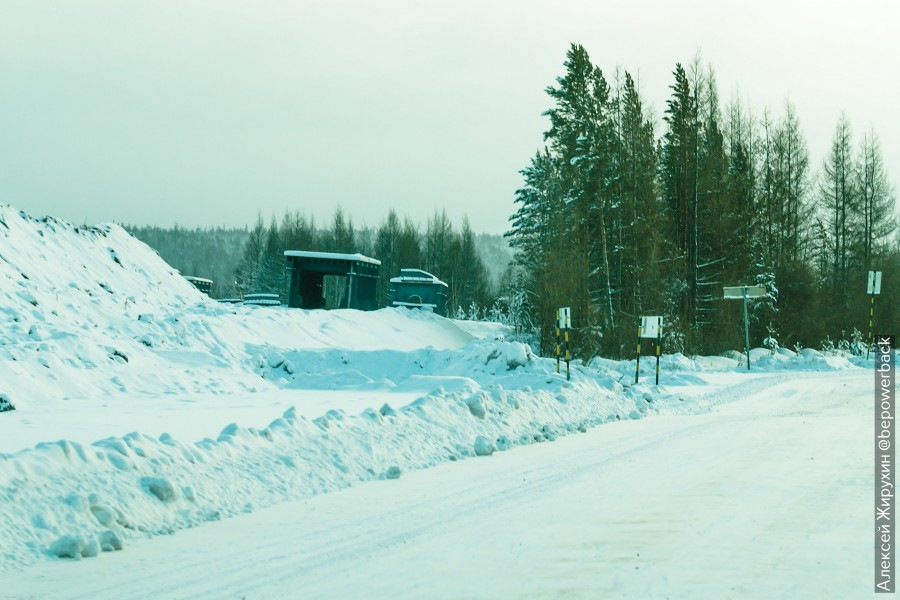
172	410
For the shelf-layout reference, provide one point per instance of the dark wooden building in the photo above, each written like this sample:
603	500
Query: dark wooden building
332	280
202	284
419	289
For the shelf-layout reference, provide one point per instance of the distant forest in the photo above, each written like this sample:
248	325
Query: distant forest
617	221
211	252
247	260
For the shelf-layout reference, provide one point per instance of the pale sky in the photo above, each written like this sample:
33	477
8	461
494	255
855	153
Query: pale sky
206	112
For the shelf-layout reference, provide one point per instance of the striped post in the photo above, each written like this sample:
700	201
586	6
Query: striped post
871	323
637	363
557	341
658	340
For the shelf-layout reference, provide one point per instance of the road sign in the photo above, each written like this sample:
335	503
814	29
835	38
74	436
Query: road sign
564	315
651	327
874	286
737	292
743	292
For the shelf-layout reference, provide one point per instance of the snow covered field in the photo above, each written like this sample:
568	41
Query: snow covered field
144	408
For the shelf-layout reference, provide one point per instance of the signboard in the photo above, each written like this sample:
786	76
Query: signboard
564	316
874	286
651	327
744	292
753	291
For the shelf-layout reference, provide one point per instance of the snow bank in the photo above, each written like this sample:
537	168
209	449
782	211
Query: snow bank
68	499
761	360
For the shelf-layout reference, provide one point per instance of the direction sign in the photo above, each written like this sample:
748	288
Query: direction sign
753	291
874	286
564	316
743	292
651	327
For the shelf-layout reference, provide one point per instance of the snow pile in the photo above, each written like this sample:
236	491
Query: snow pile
69	499
761	360
91	319
788	360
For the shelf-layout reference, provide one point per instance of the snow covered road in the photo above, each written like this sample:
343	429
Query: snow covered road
766	497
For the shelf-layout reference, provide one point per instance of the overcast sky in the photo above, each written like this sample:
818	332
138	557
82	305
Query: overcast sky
206	112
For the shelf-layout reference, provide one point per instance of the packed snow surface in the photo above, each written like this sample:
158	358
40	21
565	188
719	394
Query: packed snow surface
766	497
142	407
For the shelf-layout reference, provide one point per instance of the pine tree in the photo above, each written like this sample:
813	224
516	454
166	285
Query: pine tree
387	249
679	179
247	270
343	239
839	204
877	203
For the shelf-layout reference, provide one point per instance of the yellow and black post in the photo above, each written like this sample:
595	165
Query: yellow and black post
871	322
566	334
637	363
658	340
557	340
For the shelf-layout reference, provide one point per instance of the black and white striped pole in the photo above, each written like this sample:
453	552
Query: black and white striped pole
873	288
637	363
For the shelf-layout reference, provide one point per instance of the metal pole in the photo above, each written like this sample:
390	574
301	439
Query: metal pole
746	329
658	340
871	321
566	334
557	341
637	364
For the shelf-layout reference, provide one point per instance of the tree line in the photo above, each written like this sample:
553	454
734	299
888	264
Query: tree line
244	260
454	255
617	221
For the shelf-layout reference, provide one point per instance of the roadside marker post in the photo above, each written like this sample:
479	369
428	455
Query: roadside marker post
873	288
658	345
557	341
743	292
637	363
650	327
564	323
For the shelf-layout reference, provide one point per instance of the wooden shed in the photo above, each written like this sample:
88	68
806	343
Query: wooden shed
332	280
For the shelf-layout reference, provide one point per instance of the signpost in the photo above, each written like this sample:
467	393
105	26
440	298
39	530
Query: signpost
564	323
744	292
873	288
650	327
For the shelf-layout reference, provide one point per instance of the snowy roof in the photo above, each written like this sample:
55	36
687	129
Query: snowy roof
197	279
332	255
413	304
416	276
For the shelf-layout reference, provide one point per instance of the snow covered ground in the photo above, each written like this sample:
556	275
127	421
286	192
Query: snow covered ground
144	408
767	497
